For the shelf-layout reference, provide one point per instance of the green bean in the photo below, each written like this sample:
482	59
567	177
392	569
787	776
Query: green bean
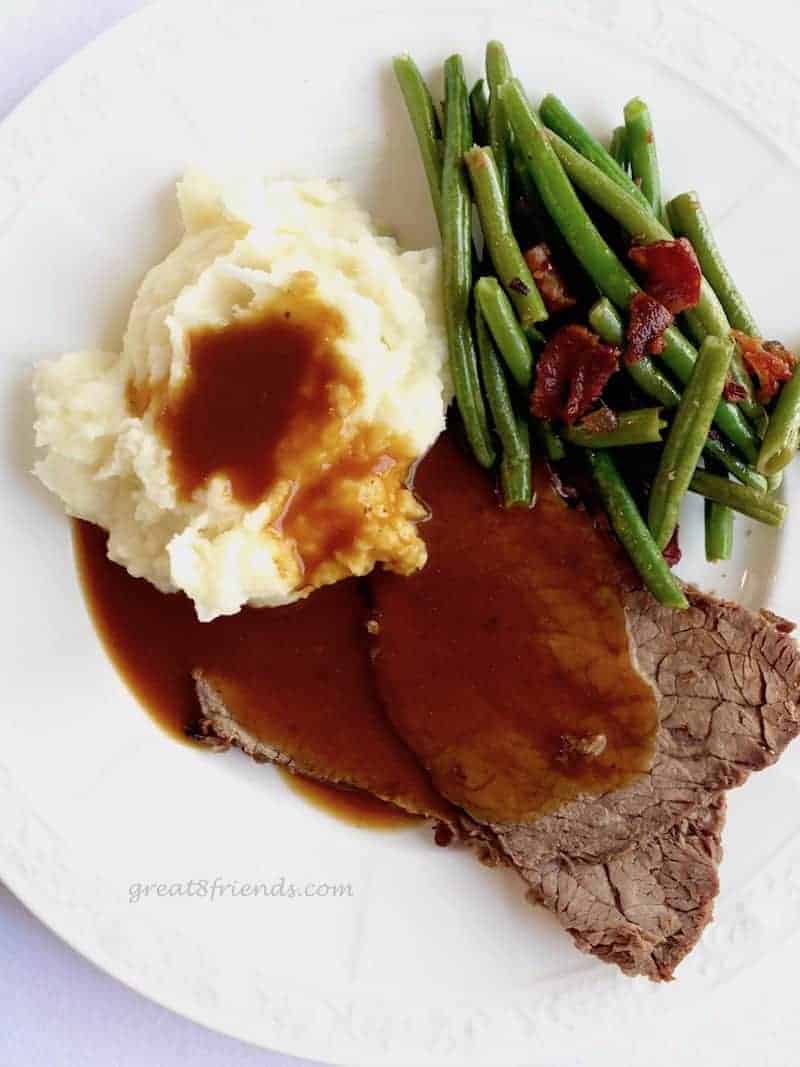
516	473
640	427
456	210
717	450
592	251
561	200
511	268
687	436
618	148
559	119
498	71
634	212
479	105
759	506
633	215
642	151
680	356
604	320
783	433
638	220
505	329
535	337
689	220
708	316
463	364
549	440
719	531
515	459
774	482
756	412
425	123
718	519
632	531
698	328
544	226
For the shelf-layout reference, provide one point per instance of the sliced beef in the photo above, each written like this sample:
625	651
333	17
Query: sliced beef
725	686
645	909
504	663
391	773
728	686
506	672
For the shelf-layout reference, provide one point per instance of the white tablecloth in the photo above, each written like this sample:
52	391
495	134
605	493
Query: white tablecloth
58	1010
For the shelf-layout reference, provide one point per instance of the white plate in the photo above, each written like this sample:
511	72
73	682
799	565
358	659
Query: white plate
433	959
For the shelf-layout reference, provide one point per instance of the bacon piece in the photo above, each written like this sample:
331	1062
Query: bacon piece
672	273
548	279
647	320
571	374
769	361
733	392
603	420
672	553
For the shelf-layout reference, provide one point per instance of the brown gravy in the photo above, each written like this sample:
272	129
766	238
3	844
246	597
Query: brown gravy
350	805
266	402
256	392
504	662
298	677
325	515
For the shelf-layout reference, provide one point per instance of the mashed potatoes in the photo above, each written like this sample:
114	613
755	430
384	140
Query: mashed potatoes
207	479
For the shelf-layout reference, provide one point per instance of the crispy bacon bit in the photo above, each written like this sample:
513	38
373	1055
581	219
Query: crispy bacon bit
769	361
647	320
672	553
519	286
733	392
672	273
603	420
571	374
548	279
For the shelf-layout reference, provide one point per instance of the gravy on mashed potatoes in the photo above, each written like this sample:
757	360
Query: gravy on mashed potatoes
281	371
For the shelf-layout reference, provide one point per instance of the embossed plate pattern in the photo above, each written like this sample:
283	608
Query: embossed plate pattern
433	960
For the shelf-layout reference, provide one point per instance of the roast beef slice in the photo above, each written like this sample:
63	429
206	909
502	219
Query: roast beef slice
632	875
727	684
400	780
645	909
